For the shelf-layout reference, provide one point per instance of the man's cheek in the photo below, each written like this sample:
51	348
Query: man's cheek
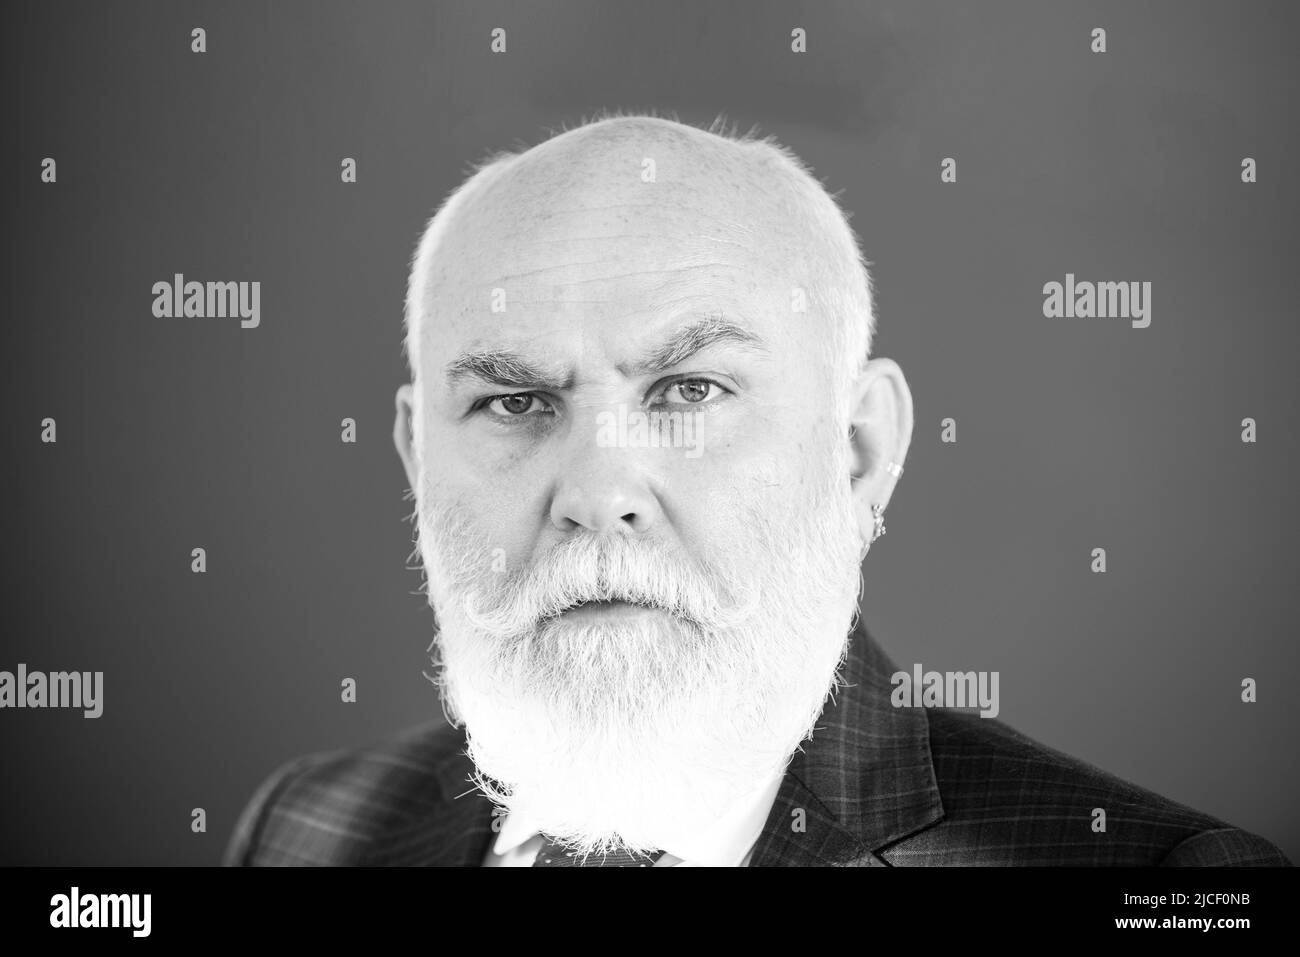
505	534
715	509
771	475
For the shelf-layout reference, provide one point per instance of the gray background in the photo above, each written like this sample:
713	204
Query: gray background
1072	434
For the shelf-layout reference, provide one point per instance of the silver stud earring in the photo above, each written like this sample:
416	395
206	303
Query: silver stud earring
878	516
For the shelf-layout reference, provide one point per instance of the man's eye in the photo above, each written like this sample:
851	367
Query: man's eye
692	391
523	403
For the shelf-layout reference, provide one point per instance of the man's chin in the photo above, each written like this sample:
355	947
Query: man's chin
621	663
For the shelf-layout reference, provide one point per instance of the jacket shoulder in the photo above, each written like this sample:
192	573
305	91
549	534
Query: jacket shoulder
1011	800
1226	847
327	807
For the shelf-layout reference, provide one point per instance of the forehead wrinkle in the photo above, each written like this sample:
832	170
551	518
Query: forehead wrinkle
548	209
614	276
589	239
501	216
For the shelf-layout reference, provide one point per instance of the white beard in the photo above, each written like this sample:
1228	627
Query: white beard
621	735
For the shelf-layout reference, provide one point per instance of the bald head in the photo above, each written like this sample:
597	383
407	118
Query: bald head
536	234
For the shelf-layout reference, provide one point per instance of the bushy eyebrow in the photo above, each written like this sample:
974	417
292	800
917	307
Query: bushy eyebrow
504	368
689	340
510	369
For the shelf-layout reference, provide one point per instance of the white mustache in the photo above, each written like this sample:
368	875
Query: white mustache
591	570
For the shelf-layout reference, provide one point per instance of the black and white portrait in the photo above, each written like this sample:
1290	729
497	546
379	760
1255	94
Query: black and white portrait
575	434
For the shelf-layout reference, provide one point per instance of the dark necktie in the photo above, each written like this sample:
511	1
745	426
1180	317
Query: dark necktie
554	854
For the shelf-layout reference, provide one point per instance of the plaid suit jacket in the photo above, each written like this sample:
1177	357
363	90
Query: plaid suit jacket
875	786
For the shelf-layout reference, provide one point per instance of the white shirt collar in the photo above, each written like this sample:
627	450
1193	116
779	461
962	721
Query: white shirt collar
725	842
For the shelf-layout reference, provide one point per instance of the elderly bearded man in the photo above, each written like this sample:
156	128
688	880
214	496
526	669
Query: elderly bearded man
636	640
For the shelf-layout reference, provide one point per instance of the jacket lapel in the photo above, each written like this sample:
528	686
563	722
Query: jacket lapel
451	824
865	779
